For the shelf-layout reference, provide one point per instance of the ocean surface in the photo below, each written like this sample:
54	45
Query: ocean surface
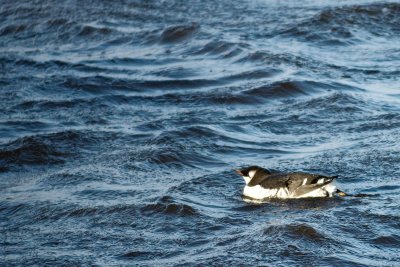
121	123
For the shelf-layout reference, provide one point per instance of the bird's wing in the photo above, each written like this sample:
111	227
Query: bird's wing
275	180
307	178
307	181
304	189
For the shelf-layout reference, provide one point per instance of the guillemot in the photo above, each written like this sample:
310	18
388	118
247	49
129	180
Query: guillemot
262	183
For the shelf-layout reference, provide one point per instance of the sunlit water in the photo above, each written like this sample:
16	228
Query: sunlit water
121	123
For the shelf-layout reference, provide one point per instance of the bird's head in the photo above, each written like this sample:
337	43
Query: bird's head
248	173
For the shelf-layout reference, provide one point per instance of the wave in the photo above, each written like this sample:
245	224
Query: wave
55	22
338	104
214	97
387	240
44	149
257	95
178	33
101	84
175	155
29	64
142	255
171	209
283	89
255	74
41	211
342	25
12	29
90	31
221	49
295	231
376	123
286	89
279	61
210	134
29	150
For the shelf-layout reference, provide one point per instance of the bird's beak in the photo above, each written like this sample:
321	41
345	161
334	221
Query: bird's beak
239	172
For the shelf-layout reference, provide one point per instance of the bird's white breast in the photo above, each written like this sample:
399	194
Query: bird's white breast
258	192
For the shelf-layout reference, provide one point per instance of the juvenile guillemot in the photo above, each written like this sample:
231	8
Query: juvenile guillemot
262	183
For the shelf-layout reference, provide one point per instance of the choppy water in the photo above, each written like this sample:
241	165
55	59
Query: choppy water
121	122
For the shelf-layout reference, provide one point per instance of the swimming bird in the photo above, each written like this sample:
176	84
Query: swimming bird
262	183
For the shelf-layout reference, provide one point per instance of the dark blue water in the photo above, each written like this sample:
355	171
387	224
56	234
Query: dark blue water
121	123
